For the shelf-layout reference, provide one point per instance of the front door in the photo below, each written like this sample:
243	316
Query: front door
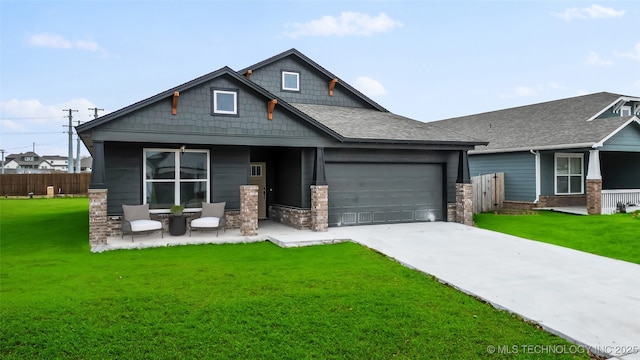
259	178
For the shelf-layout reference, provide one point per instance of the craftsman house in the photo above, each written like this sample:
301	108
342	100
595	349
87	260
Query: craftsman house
580	152
284	133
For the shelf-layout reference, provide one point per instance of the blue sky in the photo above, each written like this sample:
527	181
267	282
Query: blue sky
428	60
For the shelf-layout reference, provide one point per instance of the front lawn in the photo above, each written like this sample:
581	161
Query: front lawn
616	236
244	301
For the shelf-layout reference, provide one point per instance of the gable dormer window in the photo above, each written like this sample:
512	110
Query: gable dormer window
625	111
290	81
224	101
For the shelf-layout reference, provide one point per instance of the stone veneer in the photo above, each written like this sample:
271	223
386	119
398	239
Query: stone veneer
248	210
464	203
98	222
561	200
319	207
451	212
594	196
297	218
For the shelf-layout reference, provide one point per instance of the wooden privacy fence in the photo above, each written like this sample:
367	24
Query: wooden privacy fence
62	183
488	192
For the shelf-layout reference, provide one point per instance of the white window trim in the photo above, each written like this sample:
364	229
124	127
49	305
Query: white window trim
555	173
176	182
297	74
215	102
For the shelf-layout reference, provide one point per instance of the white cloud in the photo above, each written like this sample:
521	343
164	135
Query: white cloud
348	23
369	86
59	42
523	91
592	12
631	55
594	59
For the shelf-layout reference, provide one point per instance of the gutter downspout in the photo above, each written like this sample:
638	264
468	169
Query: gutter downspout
536	153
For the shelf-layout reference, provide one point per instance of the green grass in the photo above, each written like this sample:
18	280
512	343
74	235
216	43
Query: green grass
616	236
247	301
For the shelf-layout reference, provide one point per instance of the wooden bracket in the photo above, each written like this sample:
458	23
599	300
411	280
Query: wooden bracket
271	106
248	74
174	105
332	84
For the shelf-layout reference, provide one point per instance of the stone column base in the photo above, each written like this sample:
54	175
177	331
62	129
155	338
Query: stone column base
319	207
98	222
464	203
594	196
249	210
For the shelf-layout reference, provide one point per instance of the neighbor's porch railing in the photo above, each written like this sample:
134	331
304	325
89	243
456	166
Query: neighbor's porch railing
611	198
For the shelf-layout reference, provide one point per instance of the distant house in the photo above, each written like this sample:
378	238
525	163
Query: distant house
582	151
317	152
58	163
26	162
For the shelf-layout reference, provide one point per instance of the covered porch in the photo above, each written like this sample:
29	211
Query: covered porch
612	181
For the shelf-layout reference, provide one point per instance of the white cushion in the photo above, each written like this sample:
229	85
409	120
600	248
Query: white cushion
145	225
205	222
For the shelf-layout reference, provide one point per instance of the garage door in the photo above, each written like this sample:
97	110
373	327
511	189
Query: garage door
362	193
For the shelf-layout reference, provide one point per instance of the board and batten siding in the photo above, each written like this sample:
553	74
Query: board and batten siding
123	175
519	172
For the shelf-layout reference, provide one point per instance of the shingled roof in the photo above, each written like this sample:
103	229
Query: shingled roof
371	125
565	123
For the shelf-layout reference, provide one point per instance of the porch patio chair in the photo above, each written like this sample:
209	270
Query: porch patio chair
136	219
212	218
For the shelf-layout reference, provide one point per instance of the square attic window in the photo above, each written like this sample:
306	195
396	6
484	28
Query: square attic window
625	111
225	102
290	81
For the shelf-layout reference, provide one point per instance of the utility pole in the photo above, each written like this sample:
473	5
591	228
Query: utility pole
70	160
78	151
2	151
95	112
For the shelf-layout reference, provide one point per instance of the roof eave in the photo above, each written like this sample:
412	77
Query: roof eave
534	148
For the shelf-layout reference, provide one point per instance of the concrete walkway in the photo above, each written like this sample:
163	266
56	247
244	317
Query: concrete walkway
587	299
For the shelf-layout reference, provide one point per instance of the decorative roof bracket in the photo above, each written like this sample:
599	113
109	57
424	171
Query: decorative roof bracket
248	74
332	84
271	106
174	105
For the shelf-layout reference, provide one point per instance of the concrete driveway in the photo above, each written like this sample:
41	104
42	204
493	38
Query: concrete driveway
590	300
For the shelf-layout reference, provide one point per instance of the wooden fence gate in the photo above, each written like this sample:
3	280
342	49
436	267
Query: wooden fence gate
488	192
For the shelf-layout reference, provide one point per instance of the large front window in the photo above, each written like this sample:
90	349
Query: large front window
569	174
176	177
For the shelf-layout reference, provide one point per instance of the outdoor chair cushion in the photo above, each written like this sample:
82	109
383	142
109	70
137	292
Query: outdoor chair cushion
136	212
206	222
213	209
145	225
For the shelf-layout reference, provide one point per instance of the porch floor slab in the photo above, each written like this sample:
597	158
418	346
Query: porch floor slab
277	233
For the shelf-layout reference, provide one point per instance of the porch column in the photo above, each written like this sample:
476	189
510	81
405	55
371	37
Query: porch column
464	191
248	210
97	167
98	223
319	207
594	184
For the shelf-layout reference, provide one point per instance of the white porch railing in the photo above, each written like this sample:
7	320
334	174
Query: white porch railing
611	198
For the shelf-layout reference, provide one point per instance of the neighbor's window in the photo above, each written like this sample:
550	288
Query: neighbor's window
290	81
225	101
176	177
569	174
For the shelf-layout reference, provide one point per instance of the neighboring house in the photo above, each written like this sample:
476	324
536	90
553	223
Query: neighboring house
26	162
319	152
582	151
85	164
58	163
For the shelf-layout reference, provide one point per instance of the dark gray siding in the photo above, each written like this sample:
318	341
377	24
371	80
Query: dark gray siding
519	172
194	123
314	86
628	139
123	172
229	170
620	170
